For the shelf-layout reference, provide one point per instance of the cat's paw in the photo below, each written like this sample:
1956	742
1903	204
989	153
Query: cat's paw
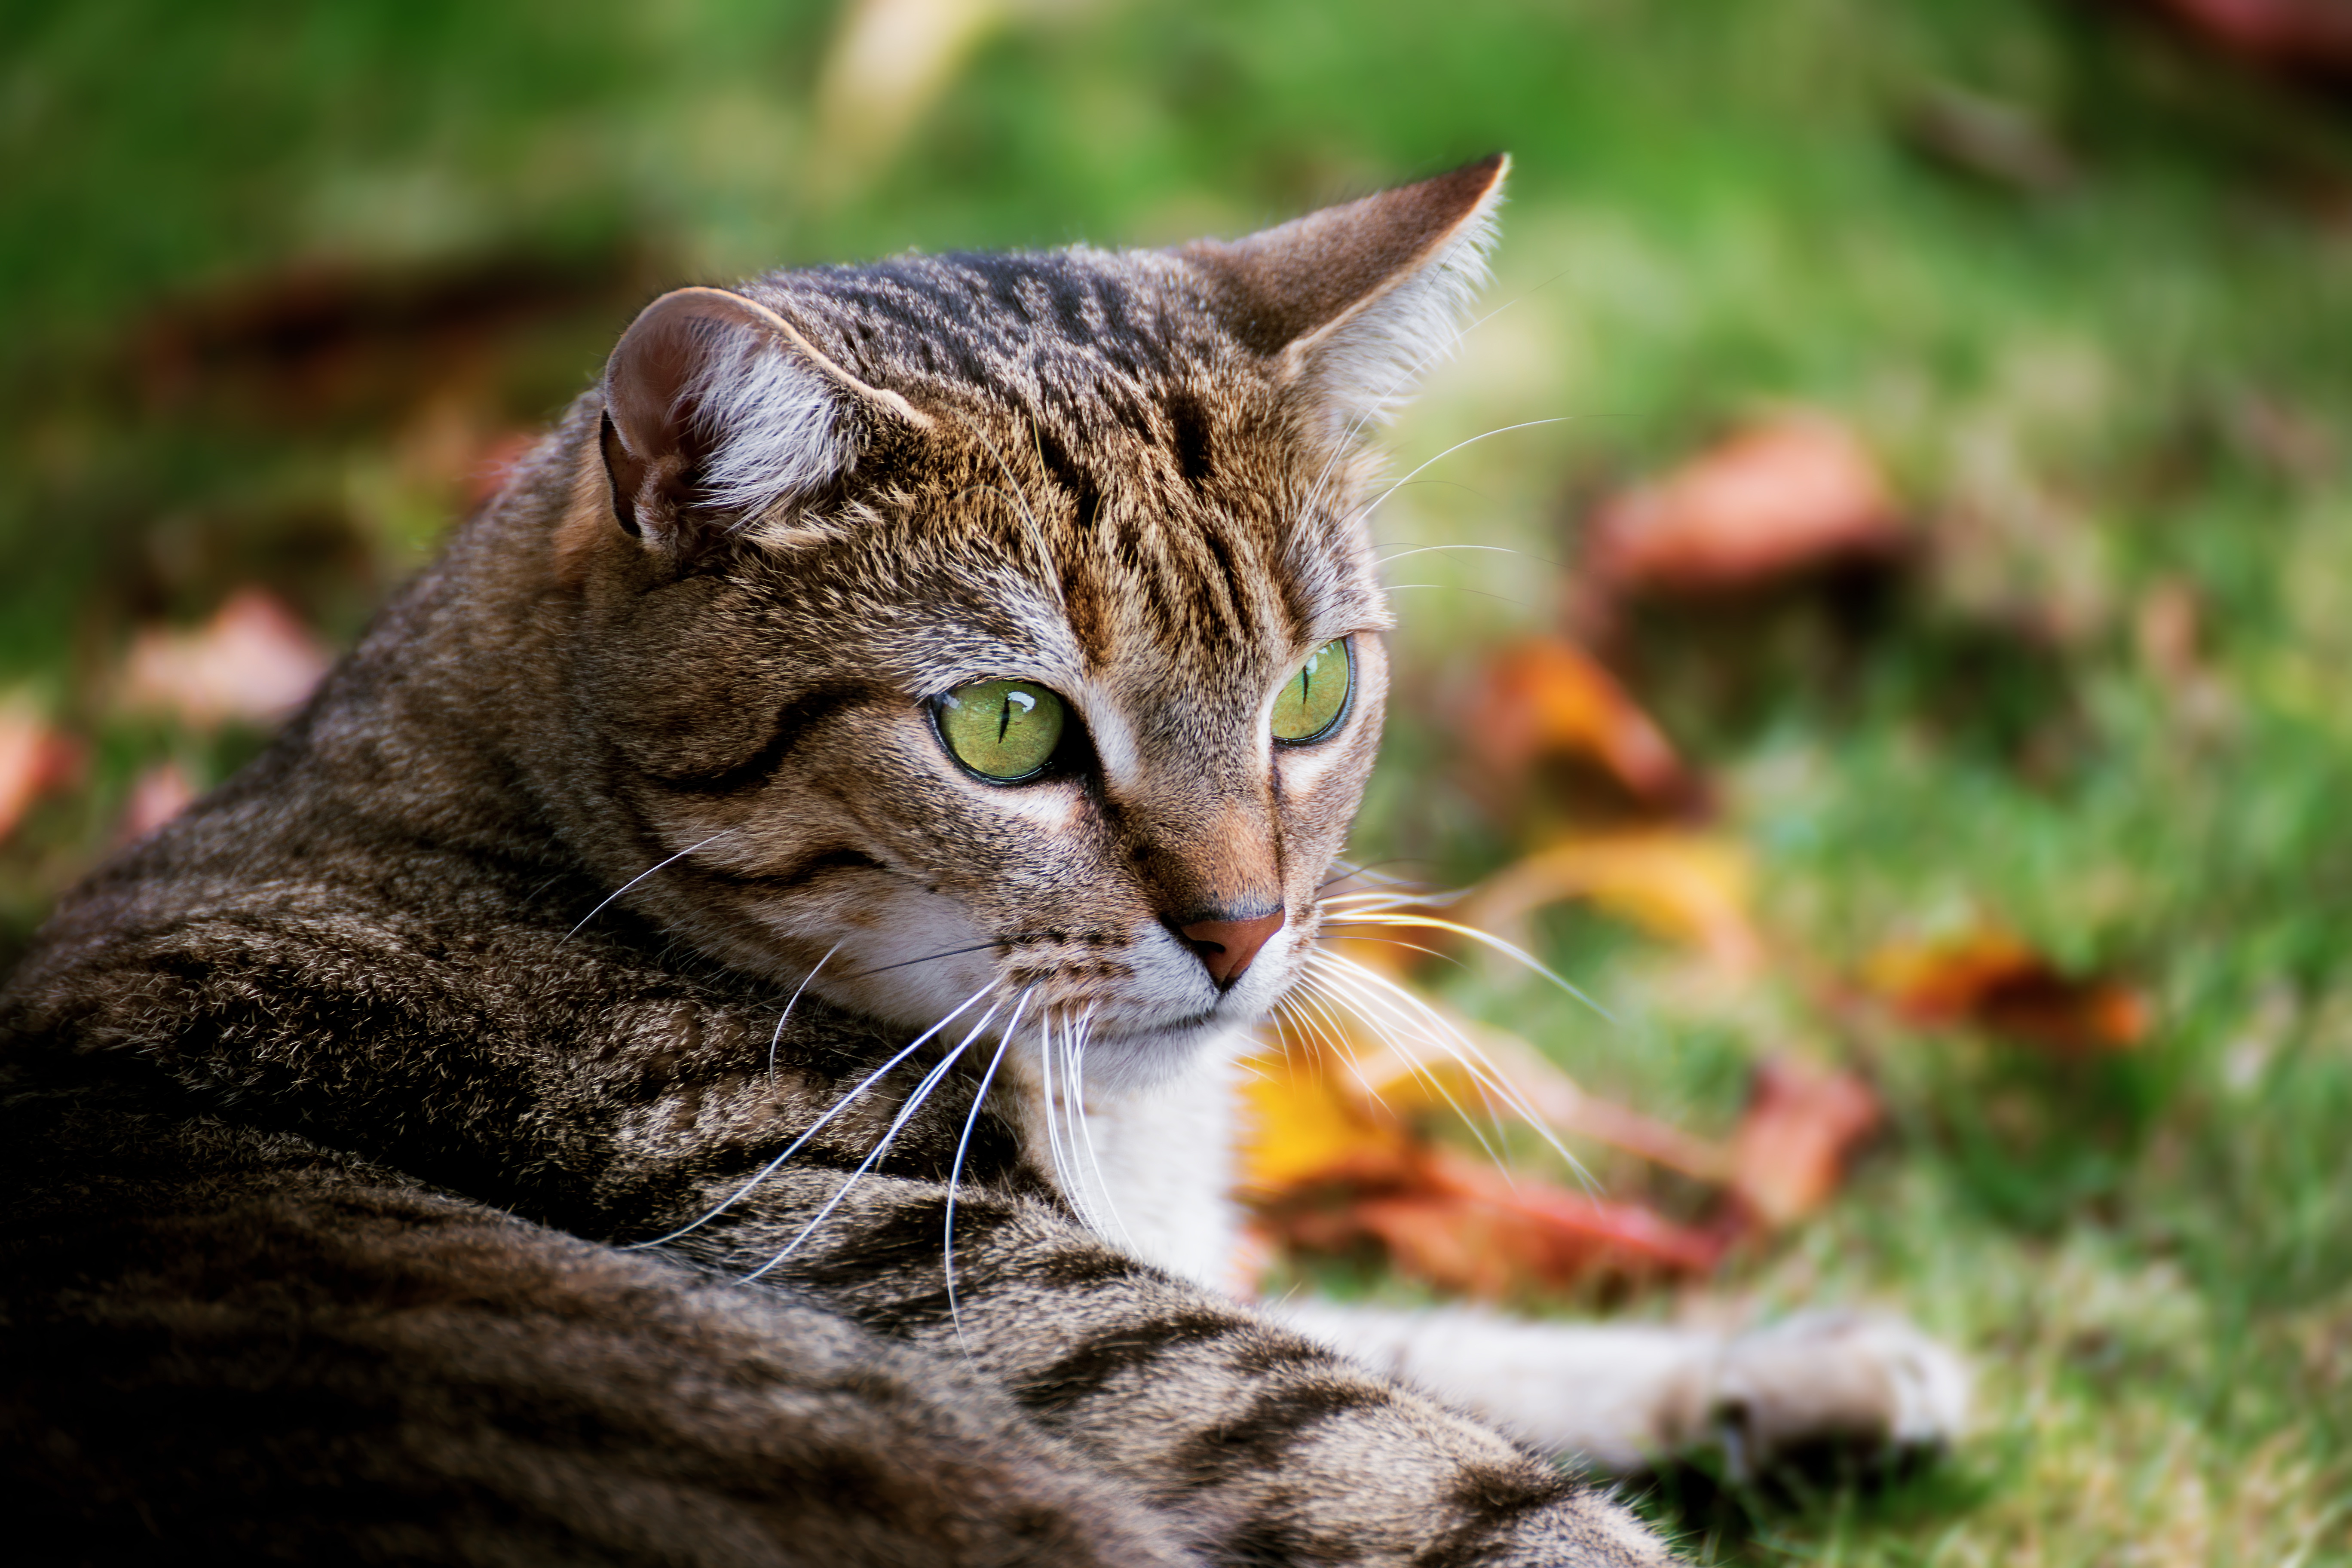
1843	1385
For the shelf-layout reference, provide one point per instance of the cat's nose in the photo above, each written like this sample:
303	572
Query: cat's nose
1227	946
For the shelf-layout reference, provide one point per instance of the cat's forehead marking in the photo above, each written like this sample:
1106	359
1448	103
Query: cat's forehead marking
1126	456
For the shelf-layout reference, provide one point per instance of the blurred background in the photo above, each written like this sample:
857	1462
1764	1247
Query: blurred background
1889	643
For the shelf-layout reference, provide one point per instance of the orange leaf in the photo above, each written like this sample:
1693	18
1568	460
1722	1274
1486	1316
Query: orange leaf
1335	1162
252	661
1466	1227
1542	696
1788	495
1992	978
36	757
1788	1152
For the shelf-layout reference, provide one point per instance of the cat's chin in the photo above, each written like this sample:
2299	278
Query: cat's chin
1153	1057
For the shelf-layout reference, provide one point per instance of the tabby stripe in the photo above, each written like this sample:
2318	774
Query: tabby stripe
1264	1540
1275	1423
1081	1373
792	720
1494	1498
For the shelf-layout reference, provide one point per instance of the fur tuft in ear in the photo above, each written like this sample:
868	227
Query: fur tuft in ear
1361	299
716	408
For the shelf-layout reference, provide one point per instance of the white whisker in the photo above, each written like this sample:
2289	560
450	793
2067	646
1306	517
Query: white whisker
955	1170
1370	916
640	876
1498	430
815	1127
1368	988
1335	1036
776	1038
922	1091
1076	1077
1415	1066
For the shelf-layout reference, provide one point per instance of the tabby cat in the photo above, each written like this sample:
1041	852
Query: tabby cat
603	1086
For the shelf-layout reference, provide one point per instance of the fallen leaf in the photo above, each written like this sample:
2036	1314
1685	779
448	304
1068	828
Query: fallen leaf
1791	494
36	757
1464	1228
253	661
1990	977
161	793
1395	1074
1685	887
1789	1149
1543	696
1338	1159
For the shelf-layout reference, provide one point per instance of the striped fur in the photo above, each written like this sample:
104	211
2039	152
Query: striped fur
622	853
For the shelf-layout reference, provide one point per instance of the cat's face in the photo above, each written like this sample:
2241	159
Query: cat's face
1053	700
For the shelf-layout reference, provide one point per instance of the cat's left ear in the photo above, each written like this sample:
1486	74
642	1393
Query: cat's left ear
1356	301
716	411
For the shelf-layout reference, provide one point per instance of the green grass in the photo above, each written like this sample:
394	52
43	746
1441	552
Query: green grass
2141	378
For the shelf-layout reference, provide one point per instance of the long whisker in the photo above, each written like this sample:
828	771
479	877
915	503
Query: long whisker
1326	934
927	958
776	1038
1429	356
1333	1035
1416	1066
1076	1077
1052	1128
817	1126
640	876
955	1170
1509	950
1483	549
1370	988
922	1092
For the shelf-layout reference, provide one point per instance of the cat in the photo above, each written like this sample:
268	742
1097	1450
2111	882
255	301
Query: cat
604	1085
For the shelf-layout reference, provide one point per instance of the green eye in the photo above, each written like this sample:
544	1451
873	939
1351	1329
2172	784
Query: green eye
1312	702
1002	729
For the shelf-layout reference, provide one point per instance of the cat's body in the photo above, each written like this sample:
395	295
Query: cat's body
628	854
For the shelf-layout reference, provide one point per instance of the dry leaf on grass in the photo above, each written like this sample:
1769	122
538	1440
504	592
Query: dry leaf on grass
1803	1122
1785	495
1685	887
1990	977
253	661
1465	1227
36	757
1338	1159
1543	696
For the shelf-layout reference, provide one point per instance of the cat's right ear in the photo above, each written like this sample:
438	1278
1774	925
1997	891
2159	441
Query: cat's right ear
1354	302
717	413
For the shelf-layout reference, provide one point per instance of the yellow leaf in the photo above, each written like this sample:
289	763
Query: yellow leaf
1685	887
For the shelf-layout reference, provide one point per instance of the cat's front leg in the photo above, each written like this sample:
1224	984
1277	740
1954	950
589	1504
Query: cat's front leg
1625	1396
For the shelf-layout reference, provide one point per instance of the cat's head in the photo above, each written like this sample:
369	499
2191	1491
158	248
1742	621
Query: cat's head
1003	627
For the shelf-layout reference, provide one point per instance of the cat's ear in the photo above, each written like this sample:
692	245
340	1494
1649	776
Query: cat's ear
716	411
1358	300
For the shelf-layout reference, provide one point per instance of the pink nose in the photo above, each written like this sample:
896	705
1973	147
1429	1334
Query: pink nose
1227	946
